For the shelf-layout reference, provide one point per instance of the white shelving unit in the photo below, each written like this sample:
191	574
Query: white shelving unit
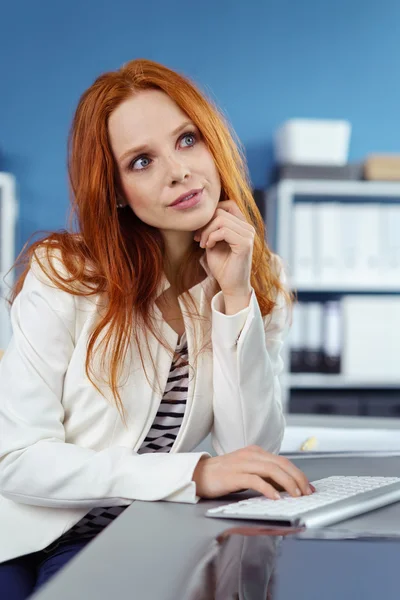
317	380
8	220
347	288
279	204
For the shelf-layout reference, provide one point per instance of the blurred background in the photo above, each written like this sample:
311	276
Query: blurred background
313	92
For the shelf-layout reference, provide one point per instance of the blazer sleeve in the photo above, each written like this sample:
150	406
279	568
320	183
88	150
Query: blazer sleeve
38	466
247	363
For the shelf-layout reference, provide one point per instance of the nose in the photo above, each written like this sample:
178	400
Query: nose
178	170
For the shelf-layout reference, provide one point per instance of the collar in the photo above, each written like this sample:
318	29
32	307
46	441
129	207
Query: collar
165	284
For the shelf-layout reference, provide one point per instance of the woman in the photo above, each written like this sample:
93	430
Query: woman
157	319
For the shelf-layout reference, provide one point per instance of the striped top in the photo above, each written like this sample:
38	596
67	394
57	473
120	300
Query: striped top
160	438
169	416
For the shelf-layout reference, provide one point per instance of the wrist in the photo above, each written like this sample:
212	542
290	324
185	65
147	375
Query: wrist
234	303
197	473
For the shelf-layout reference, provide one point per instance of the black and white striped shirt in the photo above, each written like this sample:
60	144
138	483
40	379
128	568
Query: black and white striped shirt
169	416
160	438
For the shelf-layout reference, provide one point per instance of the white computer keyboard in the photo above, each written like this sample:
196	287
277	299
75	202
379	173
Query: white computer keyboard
336	499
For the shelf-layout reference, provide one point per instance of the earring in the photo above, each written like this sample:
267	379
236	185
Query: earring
120	205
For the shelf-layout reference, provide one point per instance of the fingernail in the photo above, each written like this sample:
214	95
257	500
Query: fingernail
297	492
309	490
277	496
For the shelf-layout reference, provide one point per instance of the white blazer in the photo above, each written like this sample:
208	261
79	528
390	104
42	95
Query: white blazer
64	448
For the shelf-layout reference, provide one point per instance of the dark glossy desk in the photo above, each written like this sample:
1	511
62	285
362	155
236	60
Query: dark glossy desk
149	552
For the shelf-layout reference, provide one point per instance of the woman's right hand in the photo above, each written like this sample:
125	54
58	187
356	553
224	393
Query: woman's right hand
249	468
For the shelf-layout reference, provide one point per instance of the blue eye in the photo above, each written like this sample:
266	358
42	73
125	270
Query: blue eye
189	136
137	161
141	163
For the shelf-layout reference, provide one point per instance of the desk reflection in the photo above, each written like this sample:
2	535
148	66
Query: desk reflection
238	565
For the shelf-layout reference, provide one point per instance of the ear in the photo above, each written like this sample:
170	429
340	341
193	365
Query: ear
121	202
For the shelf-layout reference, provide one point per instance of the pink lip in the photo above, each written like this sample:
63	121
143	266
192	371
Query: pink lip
181	205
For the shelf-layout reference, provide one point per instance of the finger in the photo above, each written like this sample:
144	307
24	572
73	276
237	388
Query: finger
234	217
221	219
231	211
284	463
293	471
231	237
223	223
276	485
281	489
230	206
278	477
258	484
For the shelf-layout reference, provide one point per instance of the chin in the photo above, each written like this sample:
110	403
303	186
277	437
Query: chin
203	219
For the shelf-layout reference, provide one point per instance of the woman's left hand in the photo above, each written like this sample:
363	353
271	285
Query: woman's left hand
229	240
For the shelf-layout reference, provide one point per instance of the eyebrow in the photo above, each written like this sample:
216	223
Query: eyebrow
146	148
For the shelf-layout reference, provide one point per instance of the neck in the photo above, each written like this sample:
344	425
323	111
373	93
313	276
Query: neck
177	246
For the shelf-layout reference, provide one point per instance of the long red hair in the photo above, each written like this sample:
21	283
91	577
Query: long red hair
110	251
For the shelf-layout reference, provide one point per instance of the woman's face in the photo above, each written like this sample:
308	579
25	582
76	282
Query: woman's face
161	156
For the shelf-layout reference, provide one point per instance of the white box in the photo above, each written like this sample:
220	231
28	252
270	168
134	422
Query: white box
313	142
371	343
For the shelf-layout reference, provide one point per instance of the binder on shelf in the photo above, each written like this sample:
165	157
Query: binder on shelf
349	242
332	337
313	342
303	246
391	244
368	250
328	242
297	339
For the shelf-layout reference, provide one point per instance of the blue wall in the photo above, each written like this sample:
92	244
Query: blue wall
263	60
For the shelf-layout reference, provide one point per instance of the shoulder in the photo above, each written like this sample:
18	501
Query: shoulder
46	262
56	282
61	265
54	278
42	288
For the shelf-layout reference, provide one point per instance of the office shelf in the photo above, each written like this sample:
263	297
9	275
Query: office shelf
345	288
326	187
280	201
320	380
